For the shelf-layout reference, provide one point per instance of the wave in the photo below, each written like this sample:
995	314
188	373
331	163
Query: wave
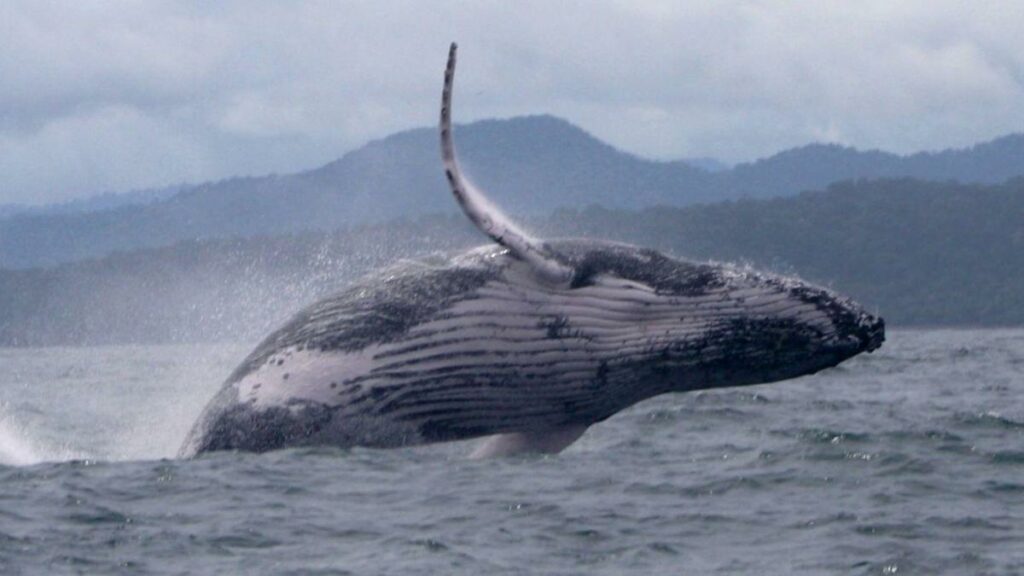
19	448
15	448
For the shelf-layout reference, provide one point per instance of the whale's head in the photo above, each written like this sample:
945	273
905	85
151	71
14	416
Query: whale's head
693	325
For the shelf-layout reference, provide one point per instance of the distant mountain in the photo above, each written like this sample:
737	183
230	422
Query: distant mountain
8	210
923	253
97	203
818	165
530	165
920	253
709	164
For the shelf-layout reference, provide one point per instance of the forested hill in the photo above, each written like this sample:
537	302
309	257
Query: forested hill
530	165
920	253
923	253
95	203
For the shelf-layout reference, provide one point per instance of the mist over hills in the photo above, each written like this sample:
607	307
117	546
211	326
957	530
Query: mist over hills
529	165
920	253
97	203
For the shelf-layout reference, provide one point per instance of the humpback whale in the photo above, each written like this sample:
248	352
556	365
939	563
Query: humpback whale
523	342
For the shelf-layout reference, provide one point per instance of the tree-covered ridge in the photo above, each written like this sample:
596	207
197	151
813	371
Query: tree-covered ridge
920	253
530	165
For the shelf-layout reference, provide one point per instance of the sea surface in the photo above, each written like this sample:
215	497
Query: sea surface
906	461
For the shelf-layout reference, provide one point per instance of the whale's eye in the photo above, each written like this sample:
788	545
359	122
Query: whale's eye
583	277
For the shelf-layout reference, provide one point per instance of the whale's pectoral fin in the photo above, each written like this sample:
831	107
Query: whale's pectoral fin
550	441
480	211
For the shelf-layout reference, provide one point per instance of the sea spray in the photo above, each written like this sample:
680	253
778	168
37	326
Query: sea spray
107	403
18	447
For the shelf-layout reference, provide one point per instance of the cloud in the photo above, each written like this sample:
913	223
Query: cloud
99	96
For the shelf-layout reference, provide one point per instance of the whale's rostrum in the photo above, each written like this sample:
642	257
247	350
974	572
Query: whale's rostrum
524	341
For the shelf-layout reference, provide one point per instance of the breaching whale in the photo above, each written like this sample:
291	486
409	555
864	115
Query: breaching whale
523	341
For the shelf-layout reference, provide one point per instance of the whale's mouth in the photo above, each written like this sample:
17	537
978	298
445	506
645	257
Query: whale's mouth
872	334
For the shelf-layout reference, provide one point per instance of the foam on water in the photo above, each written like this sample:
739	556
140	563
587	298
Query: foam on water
18	446
110	403
15	449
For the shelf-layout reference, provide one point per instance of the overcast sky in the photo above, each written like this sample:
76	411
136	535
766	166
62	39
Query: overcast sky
111	96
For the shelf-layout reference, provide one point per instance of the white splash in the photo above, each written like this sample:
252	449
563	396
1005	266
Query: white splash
18	447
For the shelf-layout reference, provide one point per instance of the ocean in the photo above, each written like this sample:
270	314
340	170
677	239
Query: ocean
906	461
